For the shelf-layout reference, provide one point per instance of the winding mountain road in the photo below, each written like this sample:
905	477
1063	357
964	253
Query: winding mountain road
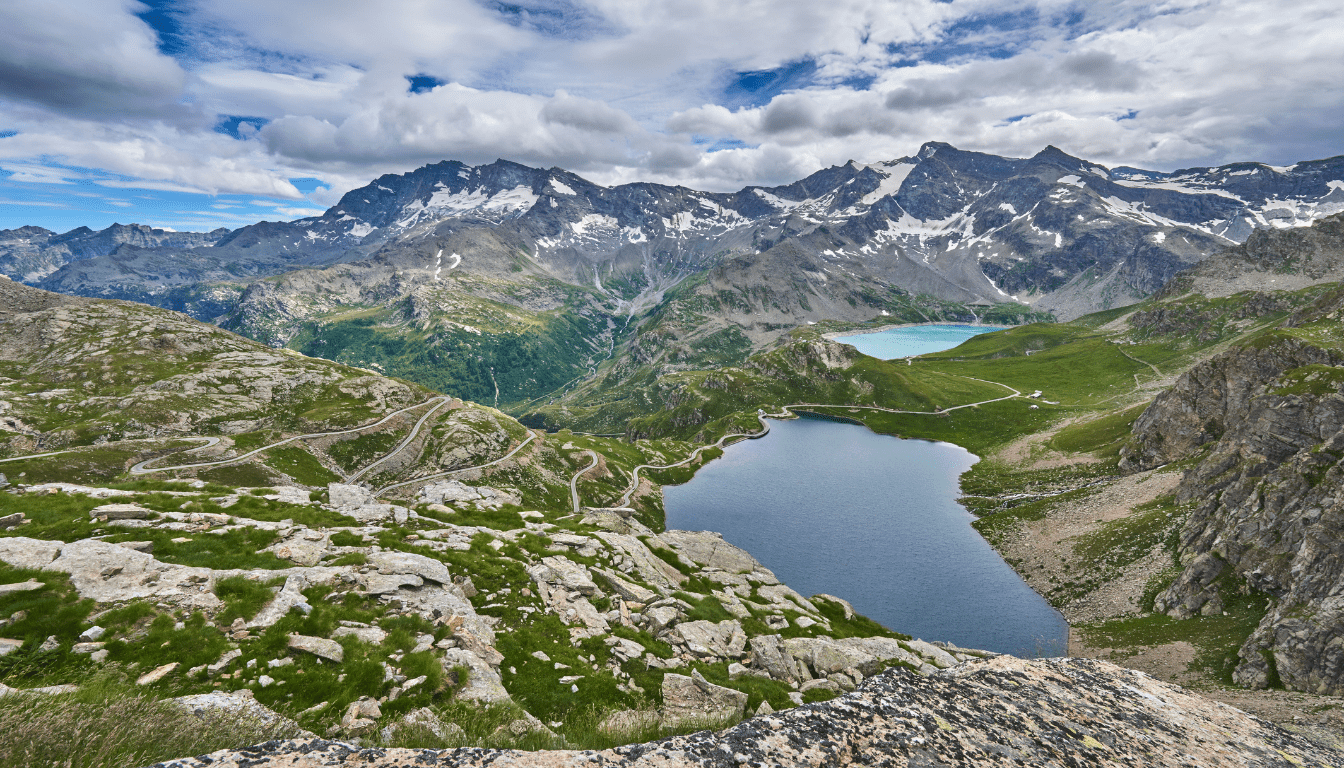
530	436
414	432
574	481
143	467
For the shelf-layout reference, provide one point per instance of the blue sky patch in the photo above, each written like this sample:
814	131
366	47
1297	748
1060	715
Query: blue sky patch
755	89
165	18
422	83
233	125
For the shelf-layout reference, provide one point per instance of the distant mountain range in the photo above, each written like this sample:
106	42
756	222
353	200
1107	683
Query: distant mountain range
1051	230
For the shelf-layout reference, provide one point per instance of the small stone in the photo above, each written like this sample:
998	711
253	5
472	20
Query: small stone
265	681
157	674
99	656
92	633
50	644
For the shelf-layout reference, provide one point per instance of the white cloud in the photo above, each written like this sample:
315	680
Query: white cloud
621	91
87	58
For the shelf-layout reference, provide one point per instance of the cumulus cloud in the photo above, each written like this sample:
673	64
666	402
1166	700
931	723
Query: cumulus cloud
89	58
623	91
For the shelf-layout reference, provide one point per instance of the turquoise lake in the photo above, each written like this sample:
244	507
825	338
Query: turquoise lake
913	340
836	508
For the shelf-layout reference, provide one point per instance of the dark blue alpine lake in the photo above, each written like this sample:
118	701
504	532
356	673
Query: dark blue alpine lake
836	508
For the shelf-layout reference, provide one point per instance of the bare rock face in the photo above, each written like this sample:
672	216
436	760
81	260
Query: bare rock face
995	712
1268	514
1205	400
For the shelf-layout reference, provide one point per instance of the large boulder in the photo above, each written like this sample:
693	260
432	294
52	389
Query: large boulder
708	550
708	640
563	572
409	563
483	682
695	701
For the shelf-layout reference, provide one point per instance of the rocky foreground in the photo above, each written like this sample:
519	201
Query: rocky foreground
986	712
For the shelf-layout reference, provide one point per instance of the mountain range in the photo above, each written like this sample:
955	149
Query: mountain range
504	283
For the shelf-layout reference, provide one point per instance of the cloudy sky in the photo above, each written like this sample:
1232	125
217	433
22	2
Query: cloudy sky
194	114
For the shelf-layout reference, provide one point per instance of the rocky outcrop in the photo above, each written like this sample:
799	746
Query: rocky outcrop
1211	396
997	712
1268	515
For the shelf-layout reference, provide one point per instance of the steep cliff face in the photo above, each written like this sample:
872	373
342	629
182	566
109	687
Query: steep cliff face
1270	513
1211	396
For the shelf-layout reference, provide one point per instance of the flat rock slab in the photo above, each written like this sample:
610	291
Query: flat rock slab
1002	711
155	675
22	586
120	512
318	646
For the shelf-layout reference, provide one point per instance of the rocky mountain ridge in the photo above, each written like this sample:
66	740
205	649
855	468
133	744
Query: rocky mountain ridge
1052	229
32	253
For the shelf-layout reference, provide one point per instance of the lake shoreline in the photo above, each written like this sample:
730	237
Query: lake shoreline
833	335
902	597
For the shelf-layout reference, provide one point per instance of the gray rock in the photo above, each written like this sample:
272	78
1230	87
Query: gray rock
30	554
931	653
424	719
769	655
223	662
318	646
370	635
483	682
825	656
23	586
290	597
244	705
120	512
661	618
9	645
409	563
139	546
626	589
11	521
819	683
381	584
708	549
706	639
695	701
157	674
563	572
343	497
